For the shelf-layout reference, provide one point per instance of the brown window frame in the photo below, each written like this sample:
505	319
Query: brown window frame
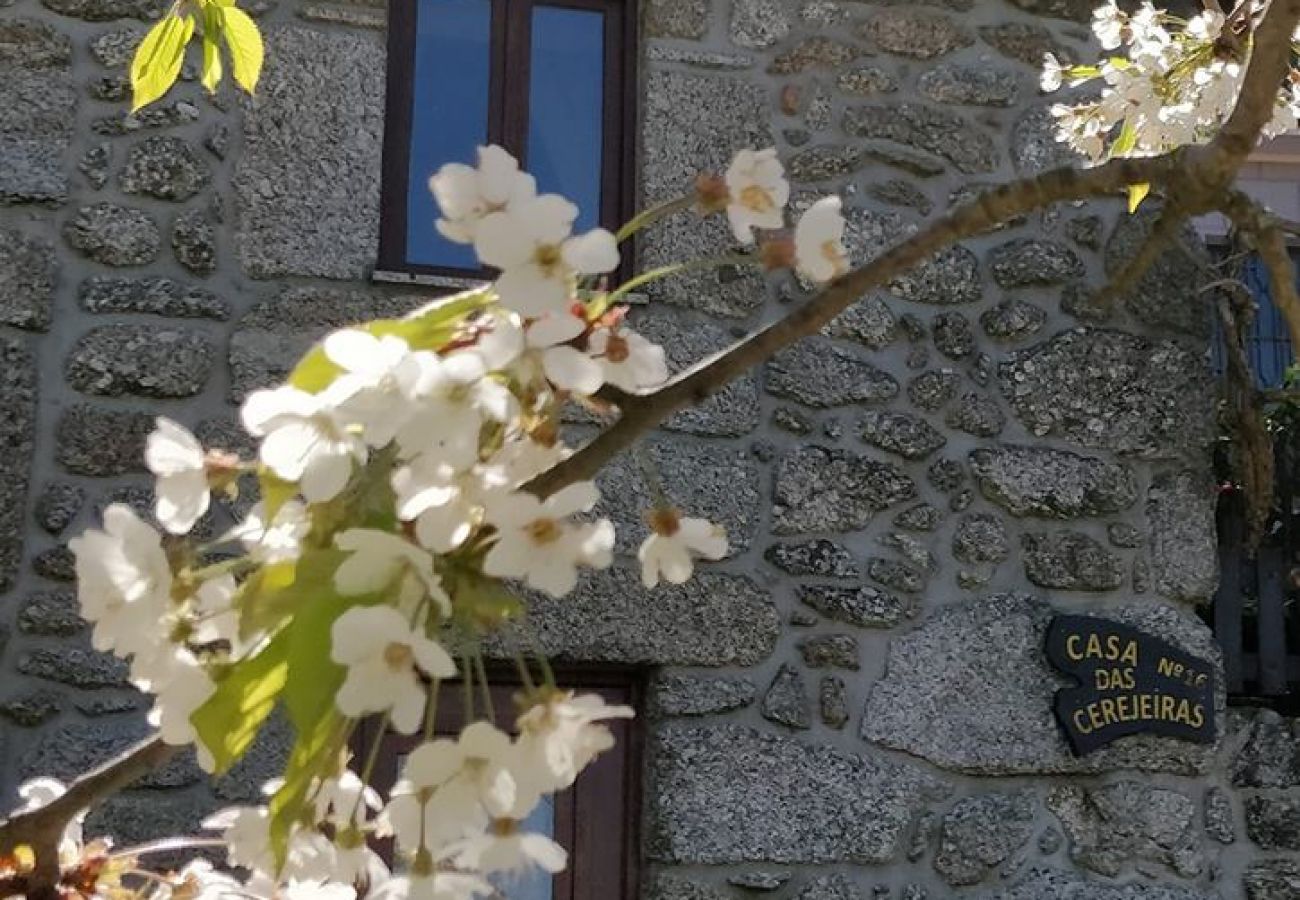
603	840
508	101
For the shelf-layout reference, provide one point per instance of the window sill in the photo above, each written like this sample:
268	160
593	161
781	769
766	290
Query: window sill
386	276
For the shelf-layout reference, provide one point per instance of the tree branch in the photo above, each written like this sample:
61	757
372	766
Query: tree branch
41	829
1269	237
1202	175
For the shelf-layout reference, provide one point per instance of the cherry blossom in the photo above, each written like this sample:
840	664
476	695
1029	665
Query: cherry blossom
531	244
537	542
819	241
628	360
758	193
123	581
466	195
382	653
177	459
303	440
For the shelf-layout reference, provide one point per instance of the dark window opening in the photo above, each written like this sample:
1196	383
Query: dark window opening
1256	610
595	820
552	81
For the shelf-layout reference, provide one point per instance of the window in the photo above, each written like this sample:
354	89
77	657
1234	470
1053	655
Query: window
550	80
1256	611
595	820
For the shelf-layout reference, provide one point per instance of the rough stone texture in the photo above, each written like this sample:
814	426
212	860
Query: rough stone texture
822	558
96	441
151	296
309	158
896	575
73	749
165	168
922	517
1273	820
1052	484
953	335
1270	756
981	538
730	412
1167	296
865	606
758	23
712	620
37	112
1184	549
1041	884
910	437
57	505
1071	561
733	794
870	322
134	817
1029	262
1275	879
977	415
980	833
1110	390
1117	824
830	887
28	274
17	425
1220	818
686	695
1013	320
932	390
971	690
833	701
276	332
901	192
114	235
95	164
1034	147
813	53
1024	42
143	360
194	242
677	145
918	33
31	709
830	651
666	886
75	667
867	81
818	373
676	18
970	85
51	613
820	489
786	700
927	128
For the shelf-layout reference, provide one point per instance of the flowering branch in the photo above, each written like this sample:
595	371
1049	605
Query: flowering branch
1200	175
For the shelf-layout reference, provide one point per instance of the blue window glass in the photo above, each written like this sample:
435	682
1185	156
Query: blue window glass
1268	345
566	104
449	119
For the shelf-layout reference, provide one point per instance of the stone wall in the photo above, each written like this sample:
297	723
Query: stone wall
854	705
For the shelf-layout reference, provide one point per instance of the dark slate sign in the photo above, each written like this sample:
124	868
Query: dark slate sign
1129	683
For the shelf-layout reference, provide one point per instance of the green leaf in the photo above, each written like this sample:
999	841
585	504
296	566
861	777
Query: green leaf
157	61
211	48
231	718
315	754
245	44
1126	140
314	680
1136	194
429	329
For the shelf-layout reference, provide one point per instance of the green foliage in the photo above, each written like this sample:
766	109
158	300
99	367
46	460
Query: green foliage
231	718
158	60
430	329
